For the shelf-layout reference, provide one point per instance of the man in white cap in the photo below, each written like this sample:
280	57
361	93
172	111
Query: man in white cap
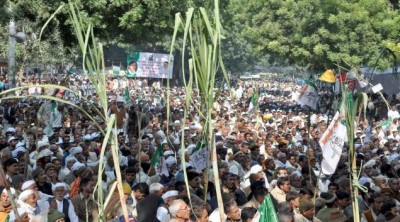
76	152
171	163
69	162
10	131
162	211
41	197
27	204
77	169
62	204
12	143
121	113
175	134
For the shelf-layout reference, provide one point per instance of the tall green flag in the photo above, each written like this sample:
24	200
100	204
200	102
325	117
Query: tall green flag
157	156
127	95
158	161
267	211
253	101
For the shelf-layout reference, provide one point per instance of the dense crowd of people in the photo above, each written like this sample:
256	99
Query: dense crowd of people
50	153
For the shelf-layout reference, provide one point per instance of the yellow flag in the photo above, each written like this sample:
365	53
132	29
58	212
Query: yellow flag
328	76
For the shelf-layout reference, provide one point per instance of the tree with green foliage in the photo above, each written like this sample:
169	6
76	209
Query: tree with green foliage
141	25
319	33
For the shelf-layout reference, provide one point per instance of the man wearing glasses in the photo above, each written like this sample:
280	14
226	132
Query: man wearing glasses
180	211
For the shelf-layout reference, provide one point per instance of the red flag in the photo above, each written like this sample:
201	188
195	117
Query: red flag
75	187
342	77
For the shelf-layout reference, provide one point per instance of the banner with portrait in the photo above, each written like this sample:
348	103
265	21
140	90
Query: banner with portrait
149	65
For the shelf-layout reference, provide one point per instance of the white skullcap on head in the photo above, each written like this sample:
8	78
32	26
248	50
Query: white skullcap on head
171	193
24	195
11	139
27	184
41	144
70	158
77	166
10	130
170	161
121	99
168	152
45	152
17	150
255	169
55	186
75	150
87	137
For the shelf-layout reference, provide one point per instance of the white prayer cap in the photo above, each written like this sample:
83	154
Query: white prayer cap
75	150
54	187
17	150
170	193
121	99
170	161
27	184
168	152
11	139
25	195
10	130
70	158
255	169
177	123
42	144
77	166
87	137
45	152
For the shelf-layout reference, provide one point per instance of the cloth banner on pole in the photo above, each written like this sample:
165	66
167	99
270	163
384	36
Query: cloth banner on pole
331	143
253	101
158	162
200	159
308	96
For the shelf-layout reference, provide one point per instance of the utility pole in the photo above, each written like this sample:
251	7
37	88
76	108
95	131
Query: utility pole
11	55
